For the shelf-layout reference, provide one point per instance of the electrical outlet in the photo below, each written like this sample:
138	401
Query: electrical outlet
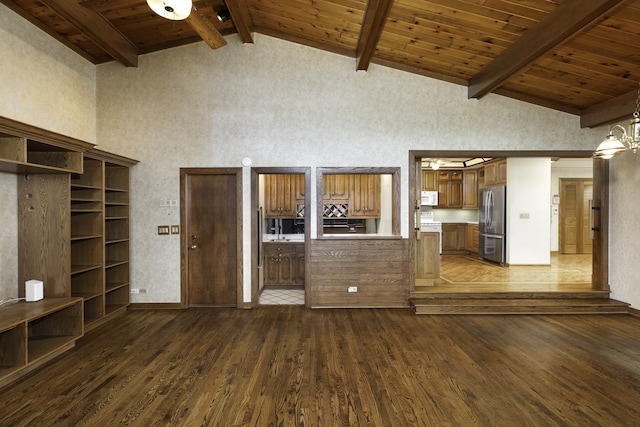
163	229
135	290
175	229
352	289
142	290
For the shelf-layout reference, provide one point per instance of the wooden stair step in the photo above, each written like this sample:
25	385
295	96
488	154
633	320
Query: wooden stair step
518	306
510	295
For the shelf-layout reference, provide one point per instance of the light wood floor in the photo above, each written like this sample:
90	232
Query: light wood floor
469	273
291	366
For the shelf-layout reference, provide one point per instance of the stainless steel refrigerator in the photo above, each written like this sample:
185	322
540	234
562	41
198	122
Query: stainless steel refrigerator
492	224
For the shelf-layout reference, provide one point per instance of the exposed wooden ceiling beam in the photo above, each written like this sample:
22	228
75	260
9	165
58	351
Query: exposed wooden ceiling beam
98	29
241	19
205	29
374	19
563	22
612	110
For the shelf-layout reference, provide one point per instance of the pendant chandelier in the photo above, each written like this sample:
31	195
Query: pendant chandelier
175	10
627	140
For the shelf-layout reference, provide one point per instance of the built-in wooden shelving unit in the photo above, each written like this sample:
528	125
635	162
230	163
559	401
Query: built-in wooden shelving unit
73	234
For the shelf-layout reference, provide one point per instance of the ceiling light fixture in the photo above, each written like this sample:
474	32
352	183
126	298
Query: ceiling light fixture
612	145
223	15
175	10
433	164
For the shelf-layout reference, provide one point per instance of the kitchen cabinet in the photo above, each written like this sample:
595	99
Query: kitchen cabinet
337	188
428	256
495	172
280	195
470	189
284	264
450	185
454	238
429	180
365	199
473	237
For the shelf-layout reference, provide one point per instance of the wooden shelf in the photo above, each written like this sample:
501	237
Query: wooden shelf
37	331
115	285
76	269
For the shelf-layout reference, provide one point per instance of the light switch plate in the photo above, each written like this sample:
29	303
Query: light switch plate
175	229
163	229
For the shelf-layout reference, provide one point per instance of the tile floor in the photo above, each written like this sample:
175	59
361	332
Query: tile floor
282	297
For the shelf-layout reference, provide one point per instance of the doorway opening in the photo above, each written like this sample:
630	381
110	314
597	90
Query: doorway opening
590	271
280	235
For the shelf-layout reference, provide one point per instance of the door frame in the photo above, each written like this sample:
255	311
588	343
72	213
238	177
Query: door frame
184	225
600	255
255	239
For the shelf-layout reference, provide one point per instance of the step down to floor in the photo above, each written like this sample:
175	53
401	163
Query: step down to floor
518	306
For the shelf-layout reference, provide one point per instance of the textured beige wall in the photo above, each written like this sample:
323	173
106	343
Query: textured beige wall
45	84
624	237
283	104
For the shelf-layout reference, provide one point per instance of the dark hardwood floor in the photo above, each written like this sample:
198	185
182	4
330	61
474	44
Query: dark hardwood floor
287	366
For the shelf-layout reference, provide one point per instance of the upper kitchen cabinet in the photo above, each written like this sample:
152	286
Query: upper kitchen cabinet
495	173
429	180
470	189
365	201
450	189
283	194
337	188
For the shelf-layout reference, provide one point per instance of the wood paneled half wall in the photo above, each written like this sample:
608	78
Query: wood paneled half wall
378	268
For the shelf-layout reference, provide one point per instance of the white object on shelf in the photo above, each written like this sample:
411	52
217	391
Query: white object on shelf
33	290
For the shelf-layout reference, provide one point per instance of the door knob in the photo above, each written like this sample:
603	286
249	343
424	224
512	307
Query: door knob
193	246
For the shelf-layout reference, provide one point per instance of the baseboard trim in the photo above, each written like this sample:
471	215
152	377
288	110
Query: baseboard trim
634	312
155	306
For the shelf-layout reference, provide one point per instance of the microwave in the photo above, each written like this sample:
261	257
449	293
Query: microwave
429	198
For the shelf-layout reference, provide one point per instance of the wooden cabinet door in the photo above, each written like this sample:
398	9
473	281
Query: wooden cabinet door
365	200
285	268
461	243
298	265
470	189
454	195
279	198
298	187
428	256
501	172
443	192
490	174
336	187
429	180
449	237
278	264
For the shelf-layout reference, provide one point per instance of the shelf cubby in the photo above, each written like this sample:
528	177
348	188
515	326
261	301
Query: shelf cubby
87	284
117	276
116	299
116	229
33	332
86	255
93	309
12	355
86	224
91	177
54	157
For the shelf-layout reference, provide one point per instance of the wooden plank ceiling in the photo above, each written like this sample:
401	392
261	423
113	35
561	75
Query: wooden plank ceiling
576	56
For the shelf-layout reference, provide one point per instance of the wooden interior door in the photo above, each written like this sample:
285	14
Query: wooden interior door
574	231
210	235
